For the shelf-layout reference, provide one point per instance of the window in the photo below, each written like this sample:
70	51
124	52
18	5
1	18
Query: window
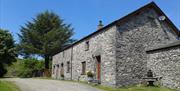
87	46
62	65
68	67
178	38
83	68
58	66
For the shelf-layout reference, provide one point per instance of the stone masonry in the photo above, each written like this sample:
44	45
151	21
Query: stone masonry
122	47
165	63
102	44
133	38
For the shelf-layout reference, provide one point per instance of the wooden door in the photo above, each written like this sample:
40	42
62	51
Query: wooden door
62	69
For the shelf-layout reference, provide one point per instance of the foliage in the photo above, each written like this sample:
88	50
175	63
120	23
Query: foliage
46	35
8	86
25	68
7	50
90	74
2	70
62	75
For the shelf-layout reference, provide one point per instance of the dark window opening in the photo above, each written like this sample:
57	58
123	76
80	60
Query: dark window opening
58	66
87	46
62	64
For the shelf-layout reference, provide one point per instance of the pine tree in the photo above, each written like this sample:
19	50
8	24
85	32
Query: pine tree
45	36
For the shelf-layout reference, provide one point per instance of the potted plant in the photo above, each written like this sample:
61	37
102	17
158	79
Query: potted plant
90	76
62	76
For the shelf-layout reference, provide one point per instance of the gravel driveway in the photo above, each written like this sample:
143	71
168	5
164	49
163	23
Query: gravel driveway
49	85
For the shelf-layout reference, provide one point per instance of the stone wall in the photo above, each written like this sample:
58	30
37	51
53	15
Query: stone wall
133	38
122	48
165	63
101	44
59	59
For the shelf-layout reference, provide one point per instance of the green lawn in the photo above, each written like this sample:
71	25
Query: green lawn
8	86
134	88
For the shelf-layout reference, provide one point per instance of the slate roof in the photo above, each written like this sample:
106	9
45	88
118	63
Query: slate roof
123	19
170	45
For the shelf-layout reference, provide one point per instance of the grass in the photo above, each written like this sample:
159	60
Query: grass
133	88
8	86
130	88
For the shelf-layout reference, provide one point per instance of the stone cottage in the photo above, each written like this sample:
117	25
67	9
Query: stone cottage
122	52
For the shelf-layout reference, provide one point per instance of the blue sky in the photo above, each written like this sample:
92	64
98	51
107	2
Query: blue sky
82	14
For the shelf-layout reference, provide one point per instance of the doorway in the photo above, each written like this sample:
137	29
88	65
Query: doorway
98	68
62	70
57	71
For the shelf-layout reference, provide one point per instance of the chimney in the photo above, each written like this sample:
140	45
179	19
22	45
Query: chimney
100	25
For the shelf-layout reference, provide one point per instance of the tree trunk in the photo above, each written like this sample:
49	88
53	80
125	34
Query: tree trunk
46	62
46	70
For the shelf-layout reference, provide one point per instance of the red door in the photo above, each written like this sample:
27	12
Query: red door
99	71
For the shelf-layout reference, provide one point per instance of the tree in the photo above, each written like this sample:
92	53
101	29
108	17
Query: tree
7	50
45	36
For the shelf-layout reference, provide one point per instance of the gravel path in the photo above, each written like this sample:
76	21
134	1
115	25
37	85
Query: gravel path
49	85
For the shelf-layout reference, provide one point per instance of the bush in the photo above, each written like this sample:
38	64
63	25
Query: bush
25	68
26	73
62	75
90	74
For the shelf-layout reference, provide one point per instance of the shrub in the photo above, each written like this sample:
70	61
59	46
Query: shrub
62	75
25	68
25	73
90	74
